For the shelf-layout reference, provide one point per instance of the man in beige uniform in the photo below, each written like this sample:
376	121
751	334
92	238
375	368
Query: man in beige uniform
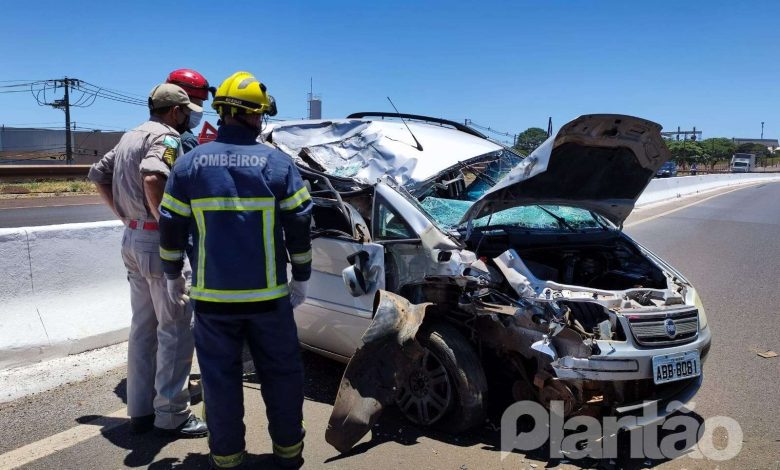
131	180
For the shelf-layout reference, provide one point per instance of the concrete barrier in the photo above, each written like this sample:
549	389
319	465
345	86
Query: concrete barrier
662	189
62	291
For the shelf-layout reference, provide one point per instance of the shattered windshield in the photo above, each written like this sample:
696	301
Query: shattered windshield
452	195
448	213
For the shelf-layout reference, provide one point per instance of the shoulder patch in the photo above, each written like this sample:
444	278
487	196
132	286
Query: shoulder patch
169	156
171	142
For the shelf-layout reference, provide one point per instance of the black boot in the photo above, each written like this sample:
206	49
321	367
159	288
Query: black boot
193	427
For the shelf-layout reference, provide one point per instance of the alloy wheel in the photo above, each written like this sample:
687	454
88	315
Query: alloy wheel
427	393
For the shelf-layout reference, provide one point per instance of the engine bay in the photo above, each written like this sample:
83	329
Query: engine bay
597	261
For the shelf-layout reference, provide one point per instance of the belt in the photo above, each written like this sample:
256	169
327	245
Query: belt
142	225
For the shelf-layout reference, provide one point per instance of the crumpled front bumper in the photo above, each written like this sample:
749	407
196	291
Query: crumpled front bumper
625	361
647	412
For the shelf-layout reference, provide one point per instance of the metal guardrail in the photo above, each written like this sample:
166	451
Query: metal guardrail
760	170
15	172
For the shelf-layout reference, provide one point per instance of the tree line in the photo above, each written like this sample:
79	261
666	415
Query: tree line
710	152
705	153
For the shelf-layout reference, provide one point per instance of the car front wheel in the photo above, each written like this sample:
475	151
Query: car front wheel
446	387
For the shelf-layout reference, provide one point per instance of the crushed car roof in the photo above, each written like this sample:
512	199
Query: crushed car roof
366	149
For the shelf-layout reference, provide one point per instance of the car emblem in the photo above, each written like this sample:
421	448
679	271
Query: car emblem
671	328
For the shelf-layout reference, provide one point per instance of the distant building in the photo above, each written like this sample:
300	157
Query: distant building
315	107
770	144
20	145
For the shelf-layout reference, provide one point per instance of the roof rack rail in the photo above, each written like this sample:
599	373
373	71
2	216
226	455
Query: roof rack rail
417	117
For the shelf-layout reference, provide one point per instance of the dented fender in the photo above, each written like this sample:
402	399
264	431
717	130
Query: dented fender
375	372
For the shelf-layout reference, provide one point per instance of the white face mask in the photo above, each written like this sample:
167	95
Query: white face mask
194	119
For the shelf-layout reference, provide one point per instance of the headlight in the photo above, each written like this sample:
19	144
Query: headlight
702	313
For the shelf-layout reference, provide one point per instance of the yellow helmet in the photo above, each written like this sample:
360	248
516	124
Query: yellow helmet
241	93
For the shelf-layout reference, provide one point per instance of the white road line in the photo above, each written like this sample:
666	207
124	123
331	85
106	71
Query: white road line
50	445
671	211
55	205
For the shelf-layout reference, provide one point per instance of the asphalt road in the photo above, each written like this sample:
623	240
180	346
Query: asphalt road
726	245
728	248
34	211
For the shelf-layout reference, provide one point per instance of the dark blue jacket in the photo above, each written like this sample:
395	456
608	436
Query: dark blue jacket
188	141
247	208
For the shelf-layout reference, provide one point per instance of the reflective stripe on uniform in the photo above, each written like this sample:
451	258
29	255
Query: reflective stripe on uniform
201	223
234	203
248	295
288	452
264	204
301	258
229	461
270	247
171	203
298	198
171	255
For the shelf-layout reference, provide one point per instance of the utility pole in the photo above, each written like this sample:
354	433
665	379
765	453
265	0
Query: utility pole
68	143
64	104
762	130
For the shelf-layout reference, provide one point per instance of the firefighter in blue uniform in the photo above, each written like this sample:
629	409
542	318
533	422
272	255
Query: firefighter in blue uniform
247	209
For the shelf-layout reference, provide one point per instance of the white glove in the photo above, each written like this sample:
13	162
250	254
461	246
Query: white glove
177	290
297	292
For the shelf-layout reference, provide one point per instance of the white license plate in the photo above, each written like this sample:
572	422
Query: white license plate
678	366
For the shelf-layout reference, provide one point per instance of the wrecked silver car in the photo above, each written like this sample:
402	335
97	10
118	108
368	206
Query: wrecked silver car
444	262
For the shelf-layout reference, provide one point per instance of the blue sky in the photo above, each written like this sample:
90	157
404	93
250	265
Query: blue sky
508	65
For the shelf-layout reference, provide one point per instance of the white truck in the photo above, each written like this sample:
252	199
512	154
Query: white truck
743	162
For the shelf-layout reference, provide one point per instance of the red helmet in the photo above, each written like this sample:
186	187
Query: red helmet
193	83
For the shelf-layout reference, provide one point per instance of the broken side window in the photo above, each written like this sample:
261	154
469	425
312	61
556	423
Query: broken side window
388	225
329	220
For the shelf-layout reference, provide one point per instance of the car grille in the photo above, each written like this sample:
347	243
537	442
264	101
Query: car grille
653	330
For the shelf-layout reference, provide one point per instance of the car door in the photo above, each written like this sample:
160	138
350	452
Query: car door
331	319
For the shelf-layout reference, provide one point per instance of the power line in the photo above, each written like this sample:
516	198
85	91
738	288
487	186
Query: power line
89	92
79	94
109	94
64	104
18	85
29	123
14	91
118	92
471	123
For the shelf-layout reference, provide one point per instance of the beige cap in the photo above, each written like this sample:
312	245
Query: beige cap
168	94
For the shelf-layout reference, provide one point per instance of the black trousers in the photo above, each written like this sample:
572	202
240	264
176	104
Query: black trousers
273	342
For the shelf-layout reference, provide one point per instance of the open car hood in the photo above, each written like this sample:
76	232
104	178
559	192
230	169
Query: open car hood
599	162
